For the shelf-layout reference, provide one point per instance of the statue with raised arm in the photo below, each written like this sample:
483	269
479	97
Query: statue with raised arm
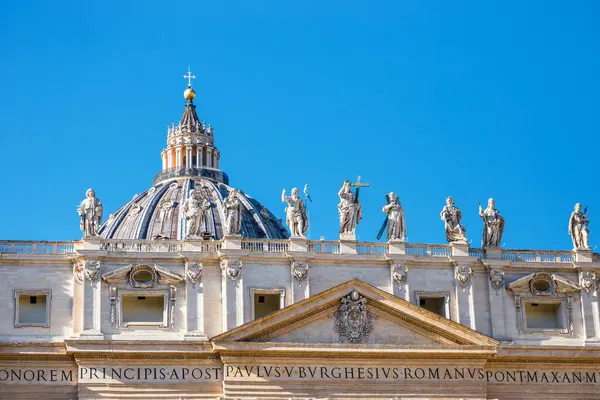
451	215
493	225
349	209
233	214
195	209
296	217
90	212
396	225
578	228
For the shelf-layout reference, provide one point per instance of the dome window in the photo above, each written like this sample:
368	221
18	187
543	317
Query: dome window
542	285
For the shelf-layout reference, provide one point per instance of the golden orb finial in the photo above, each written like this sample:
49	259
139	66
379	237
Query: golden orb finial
189	94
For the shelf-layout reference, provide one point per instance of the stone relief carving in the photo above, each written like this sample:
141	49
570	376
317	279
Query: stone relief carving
300	270
193	271
349	209
233	269
353	322
396	224
90	213
588	279
195	209
451	215
172	300
496	279
578	228
134	210
296	217
519	314
399	273
143	276
493	225
78	267
233	214
113	305
92	270
463	275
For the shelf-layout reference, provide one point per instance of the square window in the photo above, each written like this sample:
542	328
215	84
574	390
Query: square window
541	316
32	308
266	301
149	309
435	302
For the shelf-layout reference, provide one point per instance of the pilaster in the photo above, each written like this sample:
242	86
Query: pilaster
463	294
92	301
194	294
497	297
589	273
232	284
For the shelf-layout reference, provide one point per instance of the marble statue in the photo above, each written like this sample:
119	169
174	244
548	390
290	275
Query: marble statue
451	215
578	228
493	225
90	211
194	209
295	213
396	225
233	214
349	209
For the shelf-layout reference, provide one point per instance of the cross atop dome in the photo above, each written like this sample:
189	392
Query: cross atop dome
189	77
189	93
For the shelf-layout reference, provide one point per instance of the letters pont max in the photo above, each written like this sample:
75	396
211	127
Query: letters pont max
165	374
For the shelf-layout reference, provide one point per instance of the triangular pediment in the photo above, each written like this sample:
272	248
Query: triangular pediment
555	284
320	318
159	274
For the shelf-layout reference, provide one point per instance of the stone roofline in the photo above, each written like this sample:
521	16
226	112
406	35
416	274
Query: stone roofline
301	248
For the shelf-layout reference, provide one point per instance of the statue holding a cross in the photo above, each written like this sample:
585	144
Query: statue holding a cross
349	208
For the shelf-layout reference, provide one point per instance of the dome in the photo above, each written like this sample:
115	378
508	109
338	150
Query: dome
157	213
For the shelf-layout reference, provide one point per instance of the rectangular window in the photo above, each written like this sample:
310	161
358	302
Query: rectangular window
149	309
436	302
32	308
543	315
266	301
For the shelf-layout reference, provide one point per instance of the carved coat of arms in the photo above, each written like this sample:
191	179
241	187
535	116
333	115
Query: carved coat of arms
352	321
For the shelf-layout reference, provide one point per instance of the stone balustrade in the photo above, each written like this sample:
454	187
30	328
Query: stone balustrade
280	246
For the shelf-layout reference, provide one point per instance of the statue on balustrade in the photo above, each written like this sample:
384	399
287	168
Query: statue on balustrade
349	209
233	214
493	225
396	224
451	215
195	210
295	214
90	211
578	228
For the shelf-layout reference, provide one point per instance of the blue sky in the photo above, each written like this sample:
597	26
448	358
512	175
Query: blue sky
424	98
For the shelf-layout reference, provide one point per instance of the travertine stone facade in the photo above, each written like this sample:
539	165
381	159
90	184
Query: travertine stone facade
146	310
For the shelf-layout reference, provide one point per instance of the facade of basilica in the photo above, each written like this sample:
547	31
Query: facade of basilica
194	290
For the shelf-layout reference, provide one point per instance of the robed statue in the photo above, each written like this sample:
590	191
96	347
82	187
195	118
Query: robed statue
451	215
349	209
493	225
578	228
296	217
90	212
195	210
396	225
233	214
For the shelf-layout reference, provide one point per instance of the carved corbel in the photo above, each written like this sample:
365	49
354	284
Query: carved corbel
193	271
300	270
496	279
463	275
78	267
587	280
233	269
92	270
399	274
